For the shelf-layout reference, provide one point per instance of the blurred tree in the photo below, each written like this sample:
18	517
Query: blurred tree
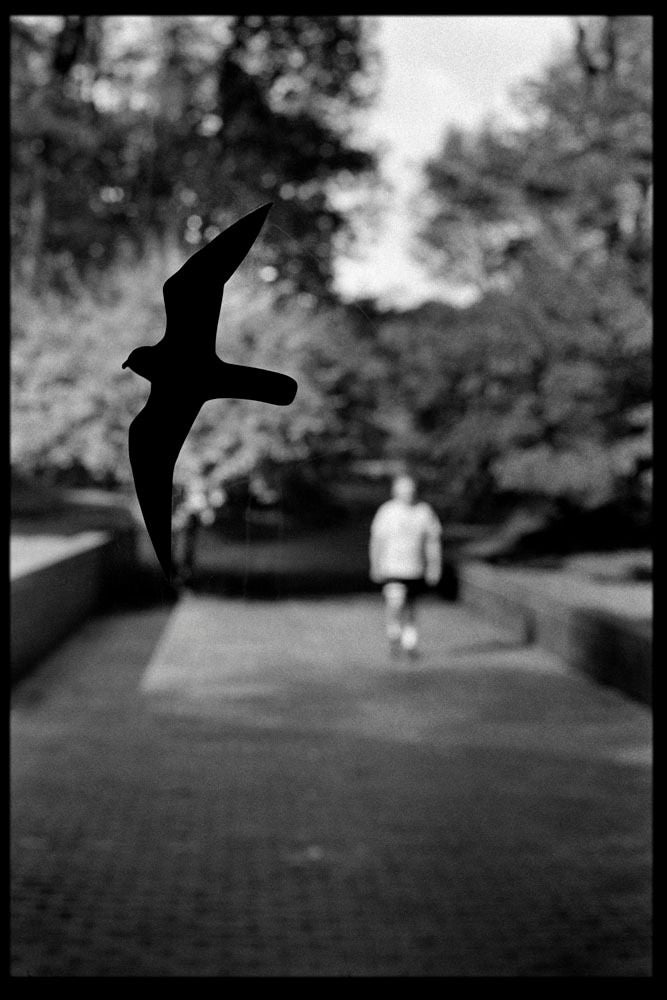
72	404
53	140
173	126
575	177
552	222
134	140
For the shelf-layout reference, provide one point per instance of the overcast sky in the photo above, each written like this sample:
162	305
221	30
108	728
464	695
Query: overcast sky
438	71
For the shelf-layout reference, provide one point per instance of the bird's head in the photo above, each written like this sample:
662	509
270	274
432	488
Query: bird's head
141	361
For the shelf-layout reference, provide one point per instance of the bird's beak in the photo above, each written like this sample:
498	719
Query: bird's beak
124	364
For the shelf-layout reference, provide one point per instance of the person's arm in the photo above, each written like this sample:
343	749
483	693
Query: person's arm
375	551
433	550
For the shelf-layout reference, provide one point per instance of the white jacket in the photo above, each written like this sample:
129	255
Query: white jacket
402	537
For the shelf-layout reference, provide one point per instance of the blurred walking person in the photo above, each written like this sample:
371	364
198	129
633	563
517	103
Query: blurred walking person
405	558
196	511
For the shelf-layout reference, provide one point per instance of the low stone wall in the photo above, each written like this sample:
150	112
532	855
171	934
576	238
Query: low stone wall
591	627
52	593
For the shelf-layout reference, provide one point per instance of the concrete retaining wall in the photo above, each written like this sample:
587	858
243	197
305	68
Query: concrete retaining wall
567	616
54	594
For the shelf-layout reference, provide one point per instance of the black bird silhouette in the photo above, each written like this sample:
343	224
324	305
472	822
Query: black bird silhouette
184	371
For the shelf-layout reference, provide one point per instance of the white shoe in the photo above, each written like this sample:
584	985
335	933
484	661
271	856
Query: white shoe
409	641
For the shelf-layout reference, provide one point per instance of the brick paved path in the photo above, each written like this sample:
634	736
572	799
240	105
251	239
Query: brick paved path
254	790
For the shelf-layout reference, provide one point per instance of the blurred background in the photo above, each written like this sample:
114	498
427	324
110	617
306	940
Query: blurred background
457	272
456	269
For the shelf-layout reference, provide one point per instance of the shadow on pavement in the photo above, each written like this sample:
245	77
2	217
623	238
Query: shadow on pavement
306	809
293	583
144	628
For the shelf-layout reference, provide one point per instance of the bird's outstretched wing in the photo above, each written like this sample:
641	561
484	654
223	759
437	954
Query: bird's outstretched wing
156	437
243	382
193	294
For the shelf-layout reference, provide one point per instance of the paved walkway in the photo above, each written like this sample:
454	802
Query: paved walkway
232	788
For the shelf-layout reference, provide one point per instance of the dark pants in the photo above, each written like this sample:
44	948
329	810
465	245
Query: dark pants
400	597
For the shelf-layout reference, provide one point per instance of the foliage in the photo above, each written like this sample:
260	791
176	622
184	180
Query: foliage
552	221
540	388
573	180
175	125
172	127
72	403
